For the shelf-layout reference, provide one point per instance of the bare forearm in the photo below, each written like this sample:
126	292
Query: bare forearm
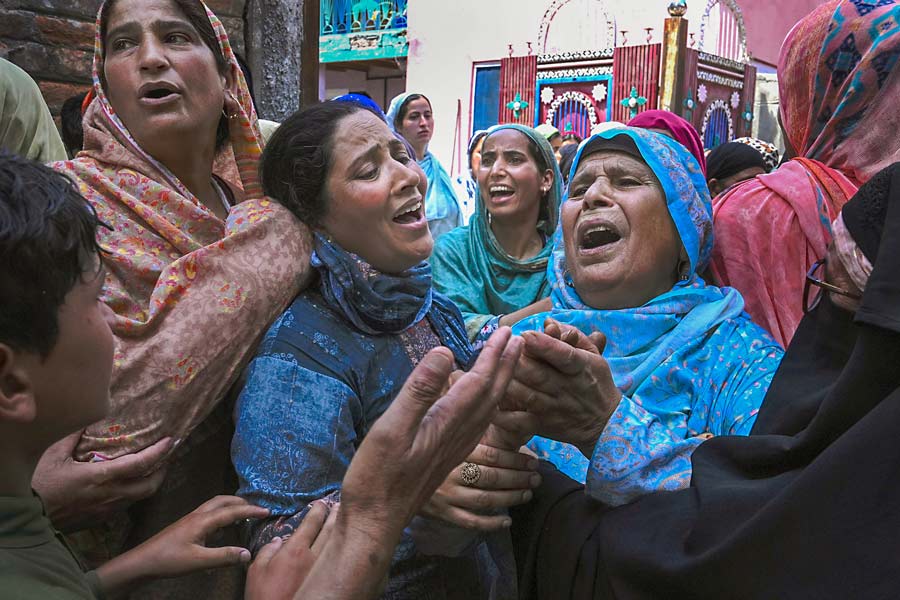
352	565
122	573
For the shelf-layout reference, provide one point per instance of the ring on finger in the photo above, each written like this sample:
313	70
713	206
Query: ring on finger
469	473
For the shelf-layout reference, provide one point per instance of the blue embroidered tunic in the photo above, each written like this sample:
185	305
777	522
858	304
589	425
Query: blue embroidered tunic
690	363
321	377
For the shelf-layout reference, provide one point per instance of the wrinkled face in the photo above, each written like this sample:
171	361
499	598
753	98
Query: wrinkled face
161	79
622	248
418	124
72	382
510	181
375	207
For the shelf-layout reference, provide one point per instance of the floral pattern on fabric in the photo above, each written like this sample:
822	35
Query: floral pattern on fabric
315	388
838	81
192	294
689	363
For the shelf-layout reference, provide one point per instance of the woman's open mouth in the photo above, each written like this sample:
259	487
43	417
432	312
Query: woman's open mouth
598	238
158	95
411	214
500	193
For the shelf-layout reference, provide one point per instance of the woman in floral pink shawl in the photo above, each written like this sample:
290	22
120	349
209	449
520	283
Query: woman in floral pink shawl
192	291
838	84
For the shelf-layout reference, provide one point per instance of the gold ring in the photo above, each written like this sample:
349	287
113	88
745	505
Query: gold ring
470	473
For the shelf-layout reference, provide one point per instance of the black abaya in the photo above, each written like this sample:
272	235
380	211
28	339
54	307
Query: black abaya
807	507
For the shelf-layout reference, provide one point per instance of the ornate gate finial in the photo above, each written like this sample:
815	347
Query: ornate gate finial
633	102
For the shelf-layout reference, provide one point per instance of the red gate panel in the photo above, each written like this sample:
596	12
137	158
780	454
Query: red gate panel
635	67
517	81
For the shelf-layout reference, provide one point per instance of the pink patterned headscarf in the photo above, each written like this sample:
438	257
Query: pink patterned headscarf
192	294
839	85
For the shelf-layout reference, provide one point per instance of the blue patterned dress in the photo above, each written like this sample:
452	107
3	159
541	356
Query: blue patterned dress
690	363
324	373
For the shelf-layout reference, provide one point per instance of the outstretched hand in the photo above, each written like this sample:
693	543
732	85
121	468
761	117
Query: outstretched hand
423	435
281	566
181	548
81	494
564	381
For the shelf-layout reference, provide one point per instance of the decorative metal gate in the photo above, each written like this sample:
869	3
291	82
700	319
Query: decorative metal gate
718	125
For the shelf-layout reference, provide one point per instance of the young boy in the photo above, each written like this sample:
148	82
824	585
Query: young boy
56	356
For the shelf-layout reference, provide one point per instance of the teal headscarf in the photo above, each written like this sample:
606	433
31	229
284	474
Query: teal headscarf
472	268
690	358
441	206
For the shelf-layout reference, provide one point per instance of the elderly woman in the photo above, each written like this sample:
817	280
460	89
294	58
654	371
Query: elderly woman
495	268
817	479
683	362
838	79
410	115
331	365
199	262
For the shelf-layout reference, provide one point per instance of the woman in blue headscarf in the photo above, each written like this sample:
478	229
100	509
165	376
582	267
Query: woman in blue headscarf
495	269
410	115
686	362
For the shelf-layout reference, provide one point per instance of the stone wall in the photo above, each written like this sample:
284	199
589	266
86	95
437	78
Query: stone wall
53	40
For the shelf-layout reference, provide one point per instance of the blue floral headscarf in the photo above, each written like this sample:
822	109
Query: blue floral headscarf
675	354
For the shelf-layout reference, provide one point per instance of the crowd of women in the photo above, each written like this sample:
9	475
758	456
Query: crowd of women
701	402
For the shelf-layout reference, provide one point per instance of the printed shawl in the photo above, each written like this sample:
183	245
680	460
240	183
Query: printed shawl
838	83
192	294
690	356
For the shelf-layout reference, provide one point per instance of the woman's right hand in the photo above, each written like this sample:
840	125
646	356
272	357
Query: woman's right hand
564	381
78	495
506	479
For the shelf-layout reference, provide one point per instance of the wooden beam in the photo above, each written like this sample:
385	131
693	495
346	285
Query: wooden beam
309	54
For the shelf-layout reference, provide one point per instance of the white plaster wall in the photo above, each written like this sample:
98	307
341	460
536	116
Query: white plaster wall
445	38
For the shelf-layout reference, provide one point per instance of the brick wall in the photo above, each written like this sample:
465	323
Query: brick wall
53	40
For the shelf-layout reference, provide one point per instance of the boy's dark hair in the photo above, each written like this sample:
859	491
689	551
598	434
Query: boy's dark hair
47	242
296	161
70	119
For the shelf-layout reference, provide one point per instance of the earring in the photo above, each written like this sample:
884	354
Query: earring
684	270
567	278
224	111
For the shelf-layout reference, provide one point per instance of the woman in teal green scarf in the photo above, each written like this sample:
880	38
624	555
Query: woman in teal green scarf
494	269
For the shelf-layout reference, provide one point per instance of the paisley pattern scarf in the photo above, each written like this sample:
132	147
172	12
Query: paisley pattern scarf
192	294
379	303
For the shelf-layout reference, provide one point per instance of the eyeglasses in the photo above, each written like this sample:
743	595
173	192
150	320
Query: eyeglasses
810	303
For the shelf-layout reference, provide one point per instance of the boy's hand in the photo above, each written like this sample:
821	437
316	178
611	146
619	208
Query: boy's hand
81	494
281	565
181	548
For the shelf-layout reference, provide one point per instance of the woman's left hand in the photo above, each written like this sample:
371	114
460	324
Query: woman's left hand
506	478
564	381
